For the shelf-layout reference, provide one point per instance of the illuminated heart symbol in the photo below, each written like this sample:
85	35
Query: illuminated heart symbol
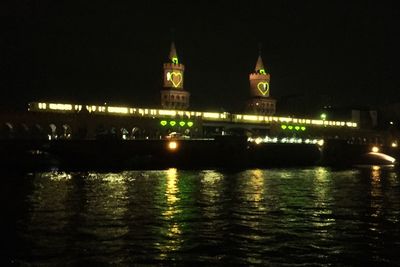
263	87
176	76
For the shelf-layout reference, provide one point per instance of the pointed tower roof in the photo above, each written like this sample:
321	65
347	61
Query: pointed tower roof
259	65
173	56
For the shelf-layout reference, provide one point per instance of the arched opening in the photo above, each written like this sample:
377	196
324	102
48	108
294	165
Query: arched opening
52	132
37	132
124	133
7	131
23	131
66	132
135	133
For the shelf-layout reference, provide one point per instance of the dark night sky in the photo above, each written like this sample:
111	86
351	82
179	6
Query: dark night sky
318	52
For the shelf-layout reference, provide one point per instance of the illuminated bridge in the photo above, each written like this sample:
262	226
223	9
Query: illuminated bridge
75	121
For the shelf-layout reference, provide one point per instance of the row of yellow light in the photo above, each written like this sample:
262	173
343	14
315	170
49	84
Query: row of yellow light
284	140
206	116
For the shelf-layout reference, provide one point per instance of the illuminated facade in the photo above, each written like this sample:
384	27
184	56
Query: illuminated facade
260	102
173	94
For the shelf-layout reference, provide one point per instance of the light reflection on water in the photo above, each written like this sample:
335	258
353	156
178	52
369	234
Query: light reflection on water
309	216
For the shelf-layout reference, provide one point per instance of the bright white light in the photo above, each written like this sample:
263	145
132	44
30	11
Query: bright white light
60	106
375	149
394	144
258	140
211	115
117	110
383	156
320	142
172	145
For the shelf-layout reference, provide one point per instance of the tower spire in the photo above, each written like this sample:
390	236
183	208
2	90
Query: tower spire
259	65
173	56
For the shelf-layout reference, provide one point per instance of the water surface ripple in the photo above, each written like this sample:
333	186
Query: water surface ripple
277	217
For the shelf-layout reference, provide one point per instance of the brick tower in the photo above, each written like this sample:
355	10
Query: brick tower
260	101
173	94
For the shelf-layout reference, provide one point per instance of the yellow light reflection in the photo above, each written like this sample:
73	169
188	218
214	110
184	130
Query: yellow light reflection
256	187
376	191
173	243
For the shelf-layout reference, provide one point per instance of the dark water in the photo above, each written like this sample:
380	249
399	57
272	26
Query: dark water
277	217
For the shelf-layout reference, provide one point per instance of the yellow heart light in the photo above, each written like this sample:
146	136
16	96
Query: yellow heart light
263	87
175	78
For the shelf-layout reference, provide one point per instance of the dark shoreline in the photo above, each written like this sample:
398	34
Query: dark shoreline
223	153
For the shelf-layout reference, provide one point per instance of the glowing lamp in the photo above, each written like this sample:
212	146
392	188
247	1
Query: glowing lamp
172	145
375	149
290	127
394	144
320	142
258	140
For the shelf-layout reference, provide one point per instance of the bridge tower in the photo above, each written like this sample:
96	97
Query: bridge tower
173	94
260	101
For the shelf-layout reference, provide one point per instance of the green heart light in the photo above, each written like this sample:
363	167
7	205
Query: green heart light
190	124
303	128
297	128
172	123
290	127
263	87
182	123
283	127
175	78
163	123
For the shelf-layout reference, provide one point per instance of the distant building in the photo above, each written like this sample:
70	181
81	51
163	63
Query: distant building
260	101
173	94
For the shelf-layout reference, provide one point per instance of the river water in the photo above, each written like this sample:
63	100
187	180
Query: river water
276	217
